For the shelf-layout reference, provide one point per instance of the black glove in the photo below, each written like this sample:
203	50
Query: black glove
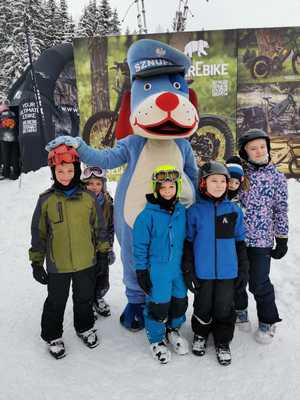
188	268
111	257
243	267
280	249
39	274
102	262
143	278
240	283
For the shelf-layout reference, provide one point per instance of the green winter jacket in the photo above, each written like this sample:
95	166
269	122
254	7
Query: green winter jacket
68	231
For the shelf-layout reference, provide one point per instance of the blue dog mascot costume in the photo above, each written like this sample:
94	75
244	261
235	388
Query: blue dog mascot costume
161	117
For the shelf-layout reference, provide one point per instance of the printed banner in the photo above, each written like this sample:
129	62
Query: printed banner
242	78
269	91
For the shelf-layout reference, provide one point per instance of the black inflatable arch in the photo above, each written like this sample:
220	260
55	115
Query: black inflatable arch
34	133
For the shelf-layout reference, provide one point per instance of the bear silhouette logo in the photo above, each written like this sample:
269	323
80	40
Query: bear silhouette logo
196	46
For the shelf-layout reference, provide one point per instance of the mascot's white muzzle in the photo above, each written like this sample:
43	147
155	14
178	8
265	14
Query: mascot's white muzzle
165	115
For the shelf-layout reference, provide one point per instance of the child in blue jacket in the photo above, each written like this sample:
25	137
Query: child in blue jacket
237	178
237	183
158	237
215	262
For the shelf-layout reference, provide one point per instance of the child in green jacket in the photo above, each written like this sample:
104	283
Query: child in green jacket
67	230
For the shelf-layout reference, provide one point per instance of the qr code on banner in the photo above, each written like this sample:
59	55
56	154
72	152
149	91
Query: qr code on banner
220	88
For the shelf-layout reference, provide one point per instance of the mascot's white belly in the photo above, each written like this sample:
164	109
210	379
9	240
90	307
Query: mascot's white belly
154	153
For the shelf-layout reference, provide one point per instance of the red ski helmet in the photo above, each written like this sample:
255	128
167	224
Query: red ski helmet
62	154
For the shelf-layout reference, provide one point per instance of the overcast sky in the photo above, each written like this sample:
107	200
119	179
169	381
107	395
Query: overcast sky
211	14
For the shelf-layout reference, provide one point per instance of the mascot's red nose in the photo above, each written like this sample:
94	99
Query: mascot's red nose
167	101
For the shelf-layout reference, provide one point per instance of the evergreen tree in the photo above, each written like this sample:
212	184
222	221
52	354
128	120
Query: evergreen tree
63	25
89	22
50	20
15	51
105	18
6	30
81	31
115	26
36	24
98	20
70	31
48	24
94	17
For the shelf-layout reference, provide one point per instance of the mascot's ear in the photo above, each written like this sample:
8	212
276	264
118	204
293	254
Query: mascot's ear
193	99
123	127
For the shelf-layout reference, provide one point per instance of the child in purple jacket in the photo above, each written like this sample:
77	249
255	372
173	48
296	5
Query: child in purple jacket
266	219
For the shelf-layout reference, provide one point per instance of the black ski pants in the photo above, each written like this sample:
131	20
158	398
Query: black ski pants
102	280
10	158
214	310
260	286
83	287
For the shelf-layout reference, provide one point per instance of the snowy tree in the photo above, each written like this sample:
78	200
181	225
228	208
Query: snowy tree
81	31
47	24
70	31
5	33
88	24
62	22
37	27
98	20
115	26
50	19
105	18
15	55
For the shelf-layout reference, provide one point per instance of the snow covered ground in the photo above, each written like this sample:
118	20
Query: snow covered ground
122	367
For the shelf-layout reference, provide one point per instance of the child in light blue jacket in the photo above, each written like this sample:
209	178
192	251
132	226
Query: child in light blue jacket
158	237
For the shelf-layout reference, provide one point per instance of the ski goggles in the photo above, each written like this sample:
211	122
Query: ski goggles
7	123
90	172
62	154
163	176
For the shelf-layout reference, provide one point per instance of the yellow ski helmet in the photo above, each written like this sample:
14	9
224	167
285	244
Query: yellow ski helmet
166	173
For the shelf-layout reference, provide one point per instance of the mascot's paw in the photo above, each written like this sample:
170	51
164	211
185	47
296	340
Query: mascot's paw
67	140
132	317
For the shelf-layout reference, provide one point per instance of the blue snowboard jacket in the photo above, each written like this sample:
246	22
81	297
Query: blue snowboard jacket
214	228
158	236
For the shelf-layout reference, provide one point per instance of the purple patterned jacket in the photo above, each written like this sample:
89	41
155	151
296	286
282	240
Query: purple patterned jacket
265	206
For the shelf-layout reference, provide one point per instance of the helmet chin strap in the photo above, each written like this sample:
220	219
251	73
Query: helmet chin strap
209	196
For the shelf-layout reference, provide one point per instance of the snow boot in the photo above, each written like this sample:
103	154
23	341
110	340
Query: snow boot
178	342
89	338
102	308
242	320
132	317
160	352
265	333
95	314
56	348
223	353
199	345
14	176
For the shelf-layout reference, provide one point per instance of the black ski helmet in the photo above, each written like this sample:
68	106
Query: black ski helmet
250	135
211	168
